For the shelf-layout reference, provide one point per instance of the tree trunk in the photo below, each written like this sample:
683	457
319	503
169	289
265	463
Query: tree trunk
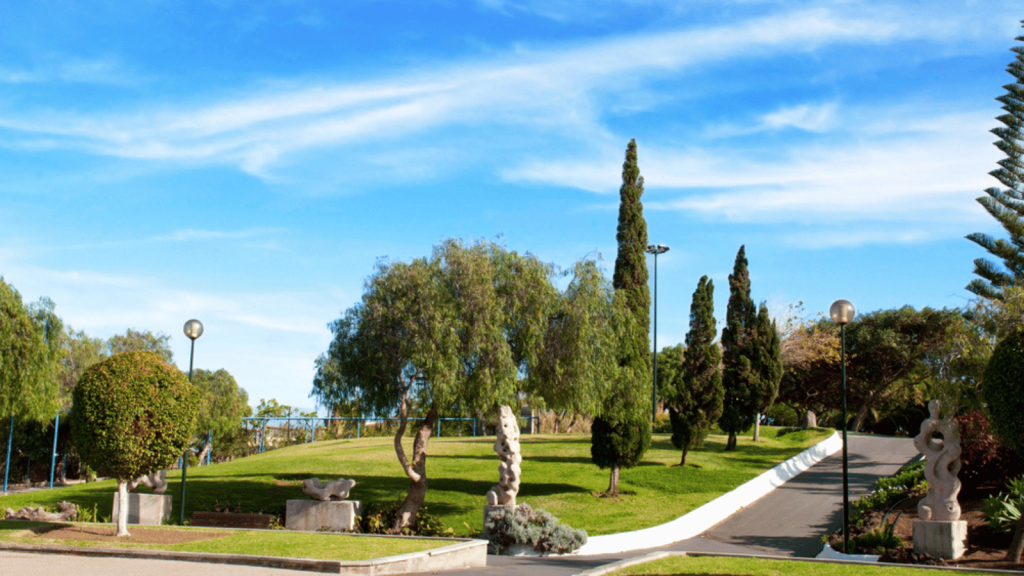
1017	546
859	418
682	462
810	420
417	470
613	483
731	444
122	512
572	422
757	427
205	450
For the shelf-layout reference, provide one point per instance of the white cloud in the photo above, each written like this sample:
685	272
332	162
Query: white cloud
813	118
553	89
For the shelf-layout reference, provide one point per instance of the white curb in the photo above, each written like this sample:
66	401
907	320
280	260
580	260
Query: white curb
703	518
829	553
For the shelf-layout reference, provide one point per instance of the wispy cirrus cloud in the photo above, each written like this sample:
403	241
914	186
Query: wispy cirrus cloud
554	89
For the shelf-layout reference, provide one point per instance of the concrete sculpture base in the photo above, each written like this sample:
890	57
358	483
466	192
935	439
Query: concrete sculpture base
146	509
313	515
942	539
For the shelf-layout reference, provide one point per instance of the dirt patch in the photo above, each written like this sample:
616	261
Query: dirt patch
140	535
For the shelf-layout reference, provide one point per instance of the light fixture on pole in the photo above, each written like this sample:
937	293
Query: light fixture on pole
193	329
842	312
652	249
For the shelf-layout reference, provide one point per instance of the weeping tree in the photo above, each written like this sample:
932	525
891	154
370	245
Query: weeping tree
622	432
452	333
133	414
31	337
222	405
694	393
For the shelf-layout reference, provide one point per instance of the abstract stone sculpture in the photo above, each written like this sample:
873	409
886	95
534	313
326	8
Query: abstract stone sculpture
333	490
157	481
507	447
939	530
943	464
67	512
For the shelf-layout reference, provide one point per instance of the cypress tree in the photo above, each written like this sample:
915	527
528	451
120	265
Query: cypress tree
767	346
621	433
739	374
696	402
1006	206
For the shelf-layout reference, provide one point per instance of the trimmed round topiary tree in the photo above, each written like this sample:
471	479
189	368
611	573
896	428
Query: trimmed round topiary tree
133	414
1002	387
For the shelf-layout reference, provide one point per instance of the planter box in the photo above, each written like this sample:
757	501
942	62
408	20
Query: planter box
145	509
228	520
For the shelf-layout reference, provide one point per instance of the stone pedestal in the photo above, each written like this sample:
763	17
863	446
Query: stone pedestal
313	515
941	538
146	509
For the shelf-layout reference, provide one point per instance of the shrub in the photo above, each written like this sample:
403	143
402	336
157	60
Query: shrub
1002	512
1000	387
983	456
379	518
522	524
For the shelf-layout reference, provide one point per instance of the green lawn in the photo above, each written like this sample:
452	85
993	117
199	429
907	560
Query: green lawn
558	476
709	565
279	543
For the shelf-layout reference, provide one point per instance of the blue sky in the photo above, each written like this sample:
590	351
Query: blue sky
246	163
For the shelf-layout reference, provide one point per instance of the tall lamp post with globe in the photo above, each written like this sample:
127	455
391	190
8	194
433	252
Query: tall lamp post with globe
842	312
193	329
652	249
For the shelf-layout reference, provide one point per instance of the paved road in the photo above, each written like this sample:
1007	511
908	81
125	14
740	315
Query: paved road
802	509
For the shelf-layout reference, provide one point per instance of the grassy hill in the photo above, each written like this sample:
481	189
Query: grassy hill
558	476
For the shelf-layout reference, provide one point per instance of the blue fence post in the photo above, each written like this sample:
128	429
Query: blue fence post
359	425
209	440
7	467
474	427
53	456
438	427
263	435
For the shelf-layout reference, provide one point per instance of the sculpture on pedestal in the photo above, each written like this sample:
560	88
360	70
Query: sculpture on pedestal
39	514
507	447
942	465
939	531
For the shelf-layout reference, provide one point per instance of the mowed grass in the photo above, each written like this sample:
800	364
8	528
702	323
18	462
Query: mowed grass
278	543
708	565
557	476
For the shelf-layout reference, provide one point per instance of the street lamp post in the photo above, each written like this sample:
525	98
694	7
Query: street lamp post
842	312
193	329
652	249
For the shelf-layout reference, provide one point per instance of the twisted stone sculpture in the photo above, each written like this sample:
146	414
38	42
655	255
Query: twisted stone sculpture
939	441
157	481
507	447
38	514
332	490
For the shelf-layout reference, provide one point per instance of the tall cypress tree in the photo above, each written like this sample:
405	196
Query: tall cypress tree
621	434
696	400
740	376
1006	206
767	346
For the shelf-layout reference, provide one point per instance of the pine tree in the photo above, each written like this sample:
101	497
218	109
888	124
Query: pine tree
767	346
622	433
696	402
1006	206
740	377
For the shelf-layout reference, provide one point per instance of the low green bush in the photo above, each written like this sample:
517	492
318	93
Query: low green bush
379	518
889	490
1003	511
522	524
